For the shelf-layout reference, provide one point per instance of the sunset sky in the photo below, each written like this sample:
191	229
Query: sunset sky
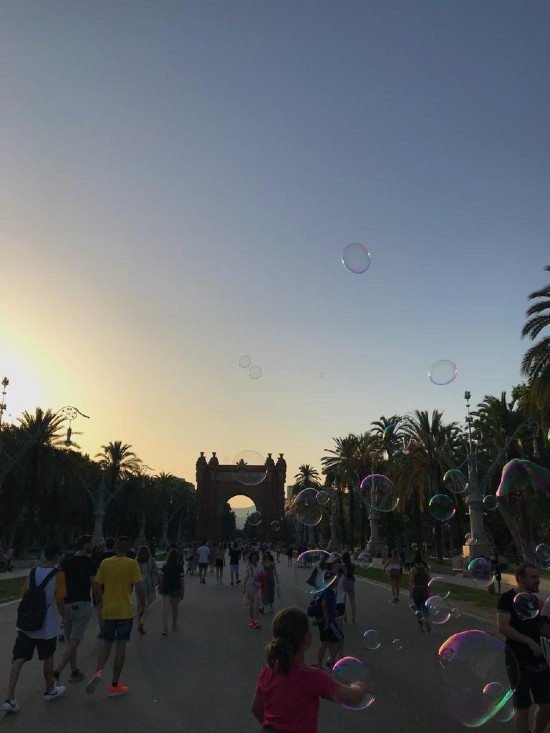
179	179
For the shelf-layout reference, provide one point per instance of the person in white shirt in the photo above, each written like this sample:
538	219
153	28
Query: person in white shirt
204	555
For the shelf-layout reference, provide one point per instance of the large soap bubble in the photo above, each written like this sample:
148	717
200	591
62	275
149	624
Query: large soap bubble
438	609
437	586
481	572
442	372
455	481
315	570
472	660
378	492
349	670
307	509
249	468
442	507
356	258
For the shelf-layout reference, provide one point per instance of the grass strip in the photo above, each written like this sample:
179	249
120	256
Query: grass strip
10	588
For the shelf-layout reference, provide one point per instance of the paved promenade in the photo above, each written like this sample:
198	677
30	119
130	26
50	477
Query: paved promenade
201	679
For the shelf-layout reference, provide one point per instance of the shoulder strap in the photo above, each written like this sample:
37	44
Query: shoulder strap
47	579
32	579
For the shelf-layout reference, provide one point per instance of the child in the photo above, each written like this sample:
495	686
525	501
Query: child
252	588
288	691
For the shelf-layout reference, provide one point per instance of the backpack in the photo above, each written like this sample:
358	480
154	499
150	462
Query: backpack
315	608
32	610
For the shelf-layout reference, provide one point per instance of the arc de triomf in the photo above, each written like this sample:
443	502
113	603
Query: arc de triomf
217	484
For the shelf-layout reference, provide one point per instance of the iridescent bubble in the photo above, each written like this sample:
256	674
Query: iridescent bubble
323	497
249	468
442	372
526	606
455	613
471	661
442	507
455	481
244	361
315	570
439	611
275	525
520	474
378	492
371	639
254	519
397	644
365	559
481	572
388	432
438	587
306	508
490	502
506	713
542	553
349	670
255	372
356	258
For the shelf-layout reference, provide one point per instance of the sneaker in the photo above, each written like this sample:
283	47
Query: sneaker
238	581
10	706
257	625
54	693
76	676
117	690
330	663
94	682
252	624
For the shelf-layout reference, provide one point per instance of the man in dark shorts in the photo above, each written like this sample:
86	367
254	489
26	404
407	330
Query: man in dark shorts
523	640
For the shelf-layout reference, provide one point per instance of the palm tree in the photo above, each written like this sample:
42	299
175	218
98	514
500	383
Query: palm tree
307	476
536	361
119	461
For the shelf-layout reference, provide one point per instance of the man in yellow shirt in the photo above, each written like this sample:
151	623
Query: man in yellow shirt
113	584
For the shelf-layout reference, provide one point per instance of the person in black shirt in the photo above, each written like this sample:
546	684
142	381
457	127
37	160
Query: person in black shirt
79	572
234	557
172	589
523	640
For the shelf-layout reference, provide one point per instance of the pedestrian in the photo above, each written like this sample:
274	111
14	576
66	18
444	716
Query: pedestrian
419	577
79	570
252	588
523	641
203	554
495	568
271	580
330	634
394	568
289	551
350	583
288	691
44	639
172	589
113	585
150	581
219	563
234	557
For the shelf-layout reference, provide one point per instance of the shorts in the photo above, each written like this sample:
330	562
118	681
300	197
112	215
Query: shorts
535	685
24	647
172	593
332	633
351	584
234	569
395	574
219	563
203	565
77	617
340	610
118	630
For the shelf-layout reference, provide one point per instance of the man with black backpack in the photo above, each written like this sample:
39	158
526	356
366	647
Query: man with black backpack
38	616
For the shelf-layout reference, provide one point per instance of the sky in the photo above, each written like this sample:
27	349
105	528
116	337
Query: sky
180	178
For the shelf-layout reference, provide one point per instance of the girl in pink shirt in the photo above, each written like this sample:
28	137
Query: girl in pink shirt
288	691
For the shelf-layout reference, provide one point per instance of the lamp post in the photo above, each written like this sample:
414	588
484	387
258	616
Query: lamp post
480	544
3	405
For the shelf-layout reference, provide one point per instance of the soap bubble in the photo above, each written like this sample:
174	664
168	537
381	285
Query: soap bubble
442	507
438	587
275	525
244	361
254	519
306	508
439	611
455	613
397	644
365	559
378	492
371	639
255	372
442	372
542	554
323	497
349	670
481	571
526	606
315	570
490	502
455	481
249	468
356	258
472	660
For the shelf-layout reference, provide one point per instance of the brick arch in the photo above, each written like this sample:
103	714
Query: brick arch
216	485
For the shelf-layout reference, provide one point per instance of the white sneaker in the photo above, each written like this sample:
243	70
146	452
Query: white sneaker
10	706
54	693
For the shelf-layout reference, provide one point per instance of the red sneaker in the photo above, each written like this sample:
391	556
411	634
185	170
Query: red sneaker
117	690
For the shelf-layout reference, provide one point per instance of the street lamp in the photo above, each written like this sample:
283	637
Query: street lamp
3	405
481	545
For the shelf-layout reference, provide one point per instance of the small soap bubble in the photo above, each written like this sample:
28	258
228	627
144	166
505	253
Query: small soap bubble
455	481
438	587
490	502
365	559
356	258
323	497
244	361
378	492
542	553
397	644
249	468
275	525
306	508
315	570
526	606
254	519
371	639
455	613
350	670
255	372
481	572
439	611
442	507
442	372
